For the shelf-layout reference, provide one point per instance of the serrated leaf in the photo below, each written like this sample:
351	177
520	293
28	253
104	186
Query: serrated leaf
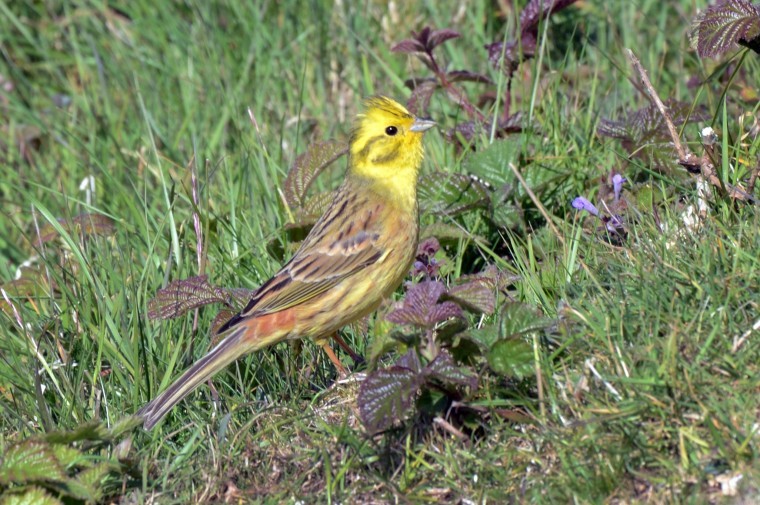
512	357
183	295
387	396
467	76
425	40
504	56
476	296
313	208
221	319
484	337
29	461
491	273
536	10
464	349
438	37
308	166
648	125
33	496
613	129
409	360
492	163
238	298
68	456
75	489
724	24
505	214
519	319
447	333
644	132
515	321
420	306
92	479
444	311
408	46
445	370
92	431
451	194
124	425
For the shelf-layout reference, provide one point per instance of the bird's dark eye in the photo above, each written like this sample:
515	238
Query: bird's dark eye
391	130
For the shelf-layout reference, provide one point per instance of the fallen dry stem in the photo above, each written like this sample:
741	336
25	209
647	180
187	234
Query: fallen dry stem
686	158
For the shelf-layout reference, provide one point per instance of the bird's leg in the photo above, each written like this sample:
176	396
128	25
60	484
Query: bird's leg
331	354
342	343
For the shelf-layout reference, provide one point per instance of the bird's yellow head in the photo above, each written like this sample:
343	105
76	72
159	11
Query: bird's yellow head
386	148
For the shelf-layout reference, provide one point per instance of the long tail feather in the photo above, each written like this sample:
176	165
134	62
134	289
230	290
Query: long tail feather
227	351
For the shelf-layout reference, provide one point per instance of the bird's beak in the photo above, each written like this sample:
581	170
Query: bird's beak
420	125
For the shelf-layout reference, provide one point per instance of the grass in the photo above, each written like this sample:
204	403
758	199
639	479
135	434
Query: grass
637	393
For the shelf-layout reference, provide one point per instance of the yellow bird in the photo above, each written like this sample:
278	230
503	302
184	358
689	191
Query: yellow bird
356	254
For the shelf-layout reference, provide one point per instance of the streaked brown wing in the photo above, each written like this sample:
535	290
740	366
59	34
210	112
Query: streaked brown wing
342	243
315	271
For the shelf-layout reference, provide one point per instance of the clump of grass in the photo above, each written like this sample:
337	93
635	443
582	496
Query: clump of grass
147	145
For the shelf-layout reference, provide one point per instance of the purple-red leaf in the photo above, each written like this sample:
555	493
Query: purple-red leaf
443	311
386	396
308	166
645	133
237	298
313	207
532	14
467	76
721	26
425	40
512	124
408	46
476	295
220	319
410	360
421	308
428	247
183	295
614	129
506	56
444	370
438	37
418	81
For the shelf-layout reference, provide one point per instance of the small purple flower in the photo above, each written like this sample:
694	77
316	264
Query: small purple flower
581	203
425	261
428	267
429	247
617	185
